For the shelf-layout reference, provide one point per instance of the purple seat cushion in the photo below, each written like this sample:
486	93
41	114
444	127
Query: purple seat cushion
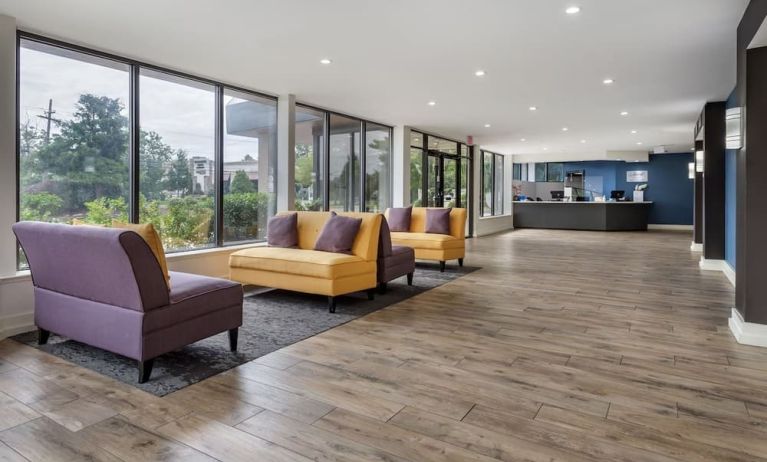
338	234
282	231
438	221
192	296
399	219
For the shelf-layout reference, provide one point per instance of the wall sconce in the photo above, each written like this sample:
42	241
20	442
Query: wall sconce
699	161
733	128
691	170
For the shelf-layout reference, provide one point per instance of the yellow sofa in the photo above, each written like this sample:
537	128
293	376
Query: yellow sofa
429	246
311	271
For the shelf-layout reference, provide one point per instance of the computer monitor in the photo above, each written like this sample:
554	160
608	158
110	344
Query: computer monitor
557	195
617	195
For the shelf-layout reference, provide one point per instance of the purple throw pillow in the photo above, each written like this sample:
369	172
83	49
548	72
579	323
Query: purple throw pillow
399	219
282	231
338	234
438	221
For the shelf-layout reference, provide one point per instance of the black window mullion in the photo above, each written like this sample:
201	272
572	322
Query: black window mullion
135	144
326	163
219	165
363	166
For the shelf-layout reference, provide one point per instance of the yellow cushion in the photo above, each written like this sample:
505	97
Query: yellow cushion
313	263
426	241
149	234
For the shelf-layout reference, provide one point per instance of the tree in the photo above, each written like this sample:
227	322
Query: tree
88	158
155	155
179	177
241	183
41	206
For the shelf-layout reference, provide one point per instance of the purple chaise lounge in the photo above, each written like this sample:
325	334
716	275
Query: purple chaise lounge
394	261
104	287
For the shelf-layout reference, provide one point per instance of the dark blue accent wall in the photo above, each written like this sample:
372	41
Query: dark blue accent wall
730	196
669	186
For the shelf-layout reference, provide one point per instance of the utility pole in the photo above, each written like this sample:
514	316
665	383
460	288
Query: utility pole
48	117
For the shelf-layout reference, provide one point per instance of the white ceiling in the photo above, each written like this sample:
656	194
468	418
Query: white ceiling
390	57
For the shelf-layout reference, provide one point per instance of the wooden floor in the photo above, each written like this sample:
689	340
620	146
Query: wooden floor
569	346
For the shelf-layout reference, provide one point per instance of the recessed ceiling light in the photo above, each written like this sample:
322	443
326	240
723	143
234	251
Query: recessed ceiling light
545	149
522	140
432	103
325	61
608	81
487	125
573	10
692	149
533	108
639	143
624	113
633	132
480	73
564	129
583	141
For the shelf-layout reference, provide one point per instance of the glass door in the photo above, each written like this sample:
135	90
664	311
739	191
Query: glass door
442	182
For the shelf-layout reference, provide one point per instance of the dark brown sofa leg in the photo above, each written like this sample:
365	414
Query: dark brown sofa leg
371	294
233	333
410	279
145	370
382	288
332	304
442	266
42	336
460	262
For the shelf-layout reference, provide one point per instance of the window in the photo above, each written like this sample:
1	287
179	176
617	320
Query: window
177	175
416	168
74	146
310	159
540	172
250	157
344	170
206	153
498	186
555	172
487	183
492	184
377	167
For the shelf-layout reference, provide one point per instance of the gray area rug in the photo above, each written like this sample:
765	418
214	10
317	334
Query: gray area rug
271	320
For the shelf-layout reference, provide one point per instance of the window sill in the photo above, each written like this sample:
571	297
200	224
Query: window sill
25	275
505	215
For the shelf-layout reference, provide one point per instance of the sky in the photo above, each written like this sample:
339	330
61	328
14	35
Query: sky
182	115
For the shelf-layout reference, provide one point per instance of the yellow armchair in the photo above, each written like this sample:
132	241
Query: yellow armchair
304	269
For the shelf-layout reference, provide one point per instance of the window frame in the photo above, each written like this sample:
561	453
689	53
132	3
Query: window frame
496	210
134	130
363	153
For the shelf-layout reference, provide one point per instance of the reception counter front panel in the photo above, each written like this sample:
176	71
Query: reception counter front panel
590	216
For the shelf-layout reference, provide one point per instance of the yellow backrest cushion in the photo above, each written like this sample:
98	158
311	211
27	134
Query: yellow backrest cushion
457	221
365	245
149	234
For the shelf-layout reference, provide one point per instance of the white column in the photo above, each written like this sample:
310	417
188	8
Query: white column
401	166
286	159
7	144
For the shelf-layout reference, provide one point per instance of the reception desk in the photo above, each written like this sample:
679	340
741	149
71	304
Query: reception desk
590	216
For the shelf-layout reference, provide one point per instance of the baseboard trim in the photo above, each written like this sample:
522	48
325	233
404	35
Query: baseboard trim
696	247
711	265
747	333
729	272
670	227
16	324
